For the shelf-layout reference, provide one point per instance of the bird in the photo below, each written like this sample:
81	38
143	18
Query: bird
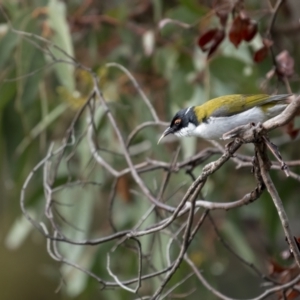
220	115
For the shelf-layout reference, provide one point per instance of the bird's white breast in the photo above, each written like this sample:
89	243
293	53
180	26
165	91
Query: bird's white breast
215	127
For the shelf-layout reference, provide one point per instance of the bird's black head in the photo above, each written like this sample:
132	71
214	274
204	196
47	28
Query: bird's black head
182	123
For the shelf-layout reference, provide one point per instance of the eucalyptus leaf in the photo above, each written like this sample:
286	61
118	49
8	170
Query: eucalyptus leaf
239	242
19	231
41	126
62	39
7	45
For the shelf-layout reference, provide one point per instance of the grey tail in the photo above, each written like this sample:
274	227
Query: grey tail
279	98
281	102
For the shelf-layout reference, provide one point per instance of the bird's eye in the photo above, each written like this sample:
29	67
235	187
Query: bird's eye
177	121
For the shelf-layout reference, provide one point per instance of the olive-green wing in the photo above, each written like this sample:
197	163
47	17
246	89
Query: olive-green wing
232	104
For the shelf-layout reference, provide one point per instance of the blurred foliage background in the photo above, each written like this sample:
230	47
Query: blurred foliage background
38	102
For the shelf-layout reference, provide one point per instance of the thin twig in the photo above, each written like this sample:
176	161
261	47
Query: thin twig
239	257
137	87
279	206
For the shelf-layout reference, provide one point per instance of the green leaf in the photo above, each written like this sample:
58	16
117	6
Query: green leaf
180	88
28	61
7	44
189	13
62	39
166	61
194	7
41	126
237	239
8	91
19	232
79	214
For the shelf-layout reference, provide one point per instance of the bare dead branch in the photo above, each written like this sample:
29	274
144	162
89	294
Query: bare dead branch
167	217
137	87
279	207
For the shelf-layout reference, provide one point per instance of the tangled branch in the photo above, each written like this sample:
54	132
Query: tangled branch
179	218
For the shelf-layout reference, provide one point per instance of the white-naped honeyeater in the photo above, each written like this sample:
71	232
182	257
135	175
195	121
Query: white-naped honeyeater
220	115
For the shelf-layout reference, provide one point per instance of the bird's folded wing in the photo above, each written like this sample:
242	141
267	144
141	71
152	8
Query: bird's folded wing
234	104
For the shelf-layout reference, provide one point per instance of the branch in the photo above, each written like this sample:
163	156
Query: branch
137	87
279	206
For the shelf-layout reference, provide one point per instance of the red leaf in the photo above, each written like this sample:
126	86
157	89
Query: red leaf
218	39
285	64
235	33
249	30
123	188
222	10
242	28
293	133
207	38
260	54
275	267
210	40
293	294
223	16
297	240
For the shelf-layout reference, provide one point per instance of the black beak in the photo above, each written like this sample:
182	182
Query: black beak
165	133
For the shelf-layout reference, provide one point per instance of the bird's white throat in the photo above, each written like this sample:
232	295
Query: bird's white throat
187	131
